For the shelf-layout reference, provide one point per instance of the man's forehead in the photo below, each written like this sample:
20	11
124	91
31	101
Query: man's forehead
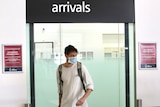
73	53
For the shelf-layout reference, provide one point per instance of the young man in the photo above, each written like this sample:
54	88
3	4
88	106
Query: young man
70	86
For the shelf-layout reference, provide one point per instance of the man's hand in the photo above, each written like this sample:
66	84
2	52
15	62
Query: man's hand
80	101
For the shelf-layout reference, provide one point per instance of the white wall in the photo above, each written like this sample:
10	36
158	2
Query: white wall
13	89
147	30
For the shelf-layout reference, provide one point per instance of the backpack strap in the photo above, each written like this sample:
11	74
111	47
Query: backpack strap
79	66
60	79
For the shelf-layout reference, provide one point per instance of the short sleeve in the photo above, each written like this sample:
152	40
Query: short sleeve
87	78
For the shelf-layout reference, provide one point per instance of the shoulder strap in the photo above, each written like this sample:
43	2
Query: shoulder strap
80	74
60	78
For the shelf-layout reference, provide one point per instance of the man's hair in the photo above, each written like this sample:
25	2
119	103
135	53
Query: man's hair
69	49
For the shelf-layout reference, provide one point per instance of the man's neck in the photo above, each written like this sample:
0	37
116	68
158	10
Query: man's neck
67	64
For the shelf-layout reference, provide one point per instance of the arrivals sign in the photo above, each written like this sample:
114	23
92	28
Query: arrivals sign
119	11
82	7
147	55
12	58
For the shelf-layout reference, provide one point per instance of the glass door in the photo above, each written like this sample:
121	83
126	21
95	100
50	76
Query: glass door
101	50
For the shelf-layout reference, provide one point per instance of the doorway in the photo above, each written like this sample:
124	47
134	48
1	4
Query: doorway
101	48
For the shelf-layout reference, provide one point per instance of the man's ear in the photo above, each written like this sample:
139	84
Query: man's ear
66	56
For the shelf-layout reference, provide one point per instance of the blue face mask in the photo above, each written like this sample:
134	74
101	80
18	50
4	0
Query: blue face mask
72	60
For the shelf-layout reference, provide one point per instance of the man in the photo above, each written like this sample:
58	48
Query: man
73	94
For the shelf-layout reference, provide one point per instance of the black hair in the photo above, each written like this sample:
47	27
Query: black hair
69	49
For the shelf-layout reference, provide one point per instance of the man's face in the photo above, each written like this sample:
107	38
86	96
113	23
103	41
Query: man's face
71	54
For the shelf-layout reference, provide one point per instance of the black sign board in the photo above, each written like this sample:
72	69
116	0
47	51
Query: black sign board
80	11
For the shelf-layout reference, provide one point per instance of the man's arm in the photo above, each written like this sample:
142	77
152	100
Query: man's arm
89	85
60	97
84	97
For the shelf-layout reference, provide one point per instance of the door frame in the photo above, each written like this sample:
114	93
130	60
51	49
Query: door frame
32	61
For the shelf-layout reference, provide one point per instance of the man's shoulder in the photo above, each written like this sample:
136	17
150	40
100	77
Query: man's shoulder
61	64
60	67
